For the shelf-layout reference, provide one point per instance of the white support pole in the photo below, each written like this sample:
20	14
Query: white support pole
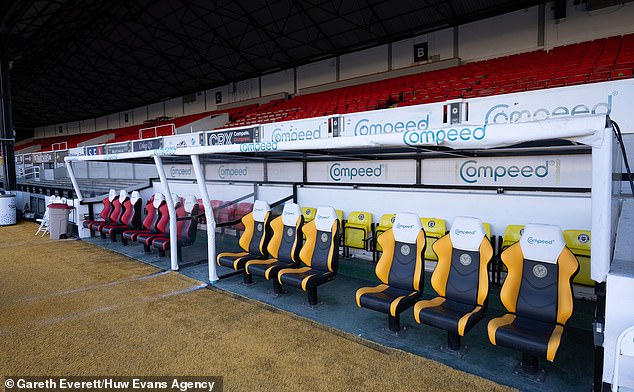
73	180
603	221
172	211
209	216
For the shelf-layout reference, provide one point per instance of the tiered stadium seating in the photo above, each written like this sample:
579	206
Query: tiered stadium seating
586	62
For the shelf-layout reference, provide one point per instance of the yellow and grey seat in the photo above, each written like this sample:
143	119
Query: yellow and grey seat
578	241
434	229
512	234
400	270
309	214
537	295
320	255
385	224
357	230
460	279
253	240
283	248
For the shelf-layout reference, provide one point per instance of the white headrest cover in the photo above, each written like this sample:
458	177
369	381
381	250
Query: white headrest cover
190	202
260	209
158	199
58	199
51	200
135	197
467	233
290	214
175	198
112	194
406	227
63	200
324	218
123	194
542	243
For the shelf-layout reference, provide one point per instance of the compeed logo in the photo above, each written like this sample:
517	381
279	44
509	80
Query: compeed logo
364	127
464	232
471	172
438	136
180	172
539	241
279	135
337	172
499	114
230	172
402	226
255	147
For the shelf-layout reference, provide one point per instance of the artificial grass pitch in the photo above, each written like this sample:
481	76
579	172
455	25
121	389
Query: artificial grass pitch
70	308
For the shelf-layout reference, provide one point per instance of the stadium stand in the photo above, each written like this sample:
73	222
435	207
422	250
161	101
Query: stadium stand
586	62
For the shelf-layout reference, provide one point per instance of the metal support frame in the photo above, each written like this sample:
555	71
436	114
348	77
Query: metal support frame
209	216
170	206
6	117
73	180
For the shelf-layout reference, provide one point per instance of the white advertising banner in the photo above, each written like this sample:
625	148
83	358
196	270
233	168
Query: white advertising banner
393	121
564	171
304	129
363	172
611	98
183	140
235	172
76	152
180	172
285	172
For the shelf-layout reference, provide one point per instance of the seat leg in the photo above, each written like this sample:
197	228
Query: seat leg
247	278
113	237
530	363
453	341
529	368
124	241
277	287
312	295
394	323
454	345
161	253
146	248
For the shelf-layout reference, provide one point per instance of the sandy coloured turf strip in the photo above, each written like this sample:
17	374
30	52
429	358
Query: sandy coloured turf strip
70	308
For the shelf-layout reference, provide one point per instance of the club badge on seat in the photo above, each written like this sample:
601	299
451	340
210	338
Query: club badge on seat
465	259
405	250
260	227
289	232
540	271
324	237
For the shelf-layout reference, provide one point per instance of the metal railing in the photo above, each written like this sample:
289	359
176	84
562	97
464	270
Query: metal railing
58	146
29	173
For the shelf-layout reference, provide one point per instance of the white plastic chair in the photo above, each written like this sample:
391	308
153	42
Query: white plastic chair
624	348
45	219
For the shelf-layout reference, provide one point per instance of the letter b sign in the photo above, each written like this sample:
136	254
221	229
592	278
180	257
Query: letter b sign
421	52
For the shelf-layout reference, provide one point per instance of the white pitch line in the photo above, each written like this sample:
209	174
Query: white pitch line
117	306
86	288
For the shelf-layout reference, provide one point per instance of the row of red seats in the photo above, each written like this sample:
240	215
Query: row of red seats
593	61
